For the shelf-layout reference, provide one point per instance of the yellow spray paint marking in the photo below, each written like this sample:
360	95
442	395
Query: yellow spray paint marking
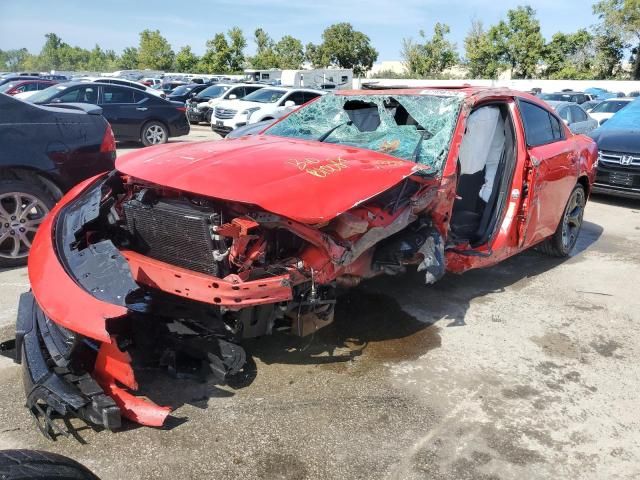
382	164
320	168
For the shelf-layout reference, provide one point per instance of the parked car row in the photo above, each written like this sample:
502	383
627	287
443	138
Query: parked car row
135	115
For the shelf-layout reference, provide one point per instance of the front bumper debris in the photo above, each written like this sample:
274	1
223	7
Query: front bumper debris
51	388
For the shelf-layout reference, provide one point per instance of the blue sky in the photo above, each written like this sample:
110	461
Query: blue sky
116	23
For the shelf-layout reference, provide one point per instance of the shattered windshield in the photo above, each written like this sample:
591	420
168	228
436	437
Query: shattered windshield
415	127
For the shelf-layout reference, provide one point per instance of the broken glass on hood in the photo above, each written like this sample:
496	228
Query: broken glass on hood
415	127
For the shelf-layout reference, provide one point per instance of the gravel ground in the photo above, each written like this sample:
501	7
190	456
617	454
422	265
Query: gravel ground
525	370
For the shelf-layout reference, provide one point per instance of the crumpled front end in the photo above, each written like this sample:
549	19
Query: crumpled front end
127	274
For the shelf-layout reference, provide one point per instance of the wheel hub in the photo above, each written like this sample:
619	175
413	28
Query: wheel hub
20	215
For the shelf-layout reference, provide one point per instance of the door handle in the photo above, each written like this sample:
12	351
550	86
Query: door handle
142	109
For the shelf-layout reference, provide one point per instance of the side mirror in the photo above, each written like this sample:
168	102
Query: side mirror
233	96
289	103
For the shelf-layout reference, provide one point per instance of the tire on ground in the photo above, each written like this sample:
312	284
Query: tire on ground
153	123
8	186
40	465
554	246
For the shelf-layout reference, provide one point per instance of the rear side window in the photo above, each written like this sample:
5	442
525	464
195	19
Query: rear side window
564	113
84	94
117	95
540	126
296	97
578	114
310	96
139	97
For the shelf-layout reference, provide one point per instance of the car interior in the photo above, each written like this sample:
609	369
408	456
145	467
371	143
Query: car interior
485	164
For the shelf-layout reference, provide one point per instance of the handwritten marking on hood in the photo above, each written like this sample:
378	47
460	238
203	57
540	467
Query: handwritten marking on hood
319	168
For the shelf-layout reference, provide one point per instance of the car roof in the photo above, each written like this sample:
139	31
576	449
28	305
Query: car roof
75	83
473	94
619	99
556	104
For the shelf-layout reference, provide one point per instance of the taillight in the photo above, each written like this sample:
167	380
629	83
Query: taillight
181	109
108	141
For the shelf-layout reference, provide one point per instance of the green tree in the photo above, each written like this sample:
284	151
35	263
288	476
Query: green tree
289	53
52	52
514	44
265	56
129	59
431	58
609	52
186	61
237	44
154	51
621	17
217	57
482	58
14	60
519	41
344	47
316	55
569	56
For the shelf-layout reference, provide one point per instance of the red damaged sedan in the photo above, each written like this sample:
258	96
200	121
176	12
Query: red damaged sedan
185	250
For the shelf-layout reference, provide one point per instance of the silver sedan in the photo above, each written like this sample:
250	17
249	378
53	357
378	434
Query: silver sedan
572	114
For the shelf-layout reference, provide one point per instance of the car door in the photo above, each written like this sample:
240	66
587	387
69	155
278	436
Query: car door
552	172
119	108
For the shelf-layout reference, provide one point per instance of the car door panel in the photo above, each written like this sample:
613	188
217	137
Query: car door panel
553	170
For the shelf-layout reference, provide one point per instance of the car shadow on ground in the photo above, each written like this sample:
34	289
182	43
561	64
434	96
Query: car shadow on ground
394	318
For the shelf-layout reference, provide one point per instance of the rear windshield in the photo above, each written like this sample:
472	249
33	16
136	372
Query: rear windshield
212	92
183	89
627	118
46	94
411	127
610	106
265	95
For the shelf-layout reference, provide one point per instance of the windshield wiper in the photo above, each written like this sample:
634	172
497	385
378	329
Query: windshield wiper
424	135
326	134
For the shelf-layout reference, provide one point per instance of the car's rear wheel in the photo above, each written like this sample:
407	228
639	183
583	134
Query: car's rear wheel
39	465
154	133
565	237
23	206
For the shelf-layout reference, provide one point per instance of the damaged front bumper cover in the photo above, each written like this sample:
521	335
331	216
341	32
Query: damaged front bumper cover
50	387
79	295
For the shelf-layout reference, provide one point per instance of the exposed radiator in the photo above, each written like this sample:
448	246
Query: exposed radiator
174	232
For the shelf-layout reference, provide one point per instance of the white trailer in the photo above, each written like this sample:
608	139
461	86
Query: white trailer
321	79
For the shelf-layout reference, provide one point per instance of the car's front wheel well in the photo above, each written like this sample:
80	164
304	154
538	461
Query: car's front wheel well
584	181
40	179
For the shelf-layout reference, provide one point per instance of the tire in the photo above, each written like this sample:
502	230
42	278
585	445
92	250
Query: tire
17	224
208	117
154	133
193	122
39	465
561	243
